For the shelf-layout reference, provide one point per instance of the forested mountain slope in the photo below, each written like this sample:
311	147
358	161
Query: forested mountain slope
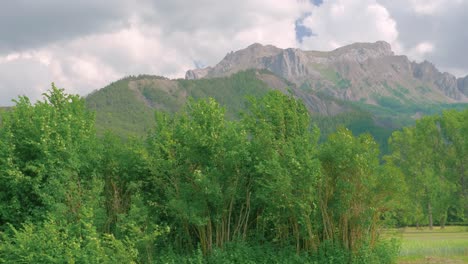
363	86
127	106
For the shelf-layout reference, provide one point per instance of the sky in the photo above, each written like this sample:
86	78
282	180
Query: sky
84	45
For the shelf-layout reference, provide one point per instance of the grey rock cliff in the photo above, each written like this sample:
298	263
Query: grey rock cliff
360	71
462	84
197	73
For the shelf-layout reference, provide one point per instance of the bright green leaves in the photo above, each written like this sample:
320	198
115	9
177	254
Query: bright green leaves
199	180
432	156
286	168
56	241
198	160
264	177
349	181
48	188
280	116
45	148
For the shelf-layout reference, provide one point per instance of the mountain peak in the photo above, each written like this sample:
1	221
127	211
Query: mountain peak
359	71
255	46
289	62
378	45
362	51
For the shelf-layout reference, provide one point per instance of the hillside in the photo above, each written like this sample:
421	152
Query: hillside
363	86
127	106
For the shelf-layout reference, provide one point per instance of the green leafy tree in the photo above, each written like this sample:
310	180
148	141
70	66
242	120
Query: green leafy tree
197	179
286	170
424	153
46	156
59	241
355	190
454	131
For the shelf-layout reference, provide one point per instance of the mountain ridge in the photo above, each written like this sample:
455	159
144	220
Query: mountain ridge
362	71
362	86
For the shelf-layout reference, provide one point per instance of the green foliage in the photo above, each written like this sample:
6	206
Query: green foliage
400	92
284	152
46	154
333	76
384	252
2	111
431	155
126	107
119	109
343	83
390	102
120	163
199	162
350	167
206	188
56	241
229	92
359	122
240	252
223	184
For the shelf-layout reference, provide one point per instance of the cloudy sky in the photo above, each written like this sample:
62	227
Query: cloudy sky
84	45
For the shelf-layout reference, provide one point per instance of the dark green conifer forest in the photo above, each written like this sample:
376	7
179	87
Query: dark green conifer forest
204	188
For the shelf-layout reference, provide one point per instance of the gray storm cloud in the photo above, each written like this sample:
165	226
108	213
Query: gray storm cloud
84	45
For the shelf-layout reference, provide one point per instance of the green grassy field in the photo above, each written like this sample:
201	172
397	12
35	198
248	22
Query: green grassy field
449	245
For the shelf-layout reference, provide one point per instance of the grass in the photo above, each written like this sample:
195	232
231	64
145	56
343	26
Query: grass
449	245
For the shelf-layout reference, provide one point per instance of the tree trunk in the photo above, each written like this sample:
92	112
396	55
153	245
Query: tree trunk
429	212
442	222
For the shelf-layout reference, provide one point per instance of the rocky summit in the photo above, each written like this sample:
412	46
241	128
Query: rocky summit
365	72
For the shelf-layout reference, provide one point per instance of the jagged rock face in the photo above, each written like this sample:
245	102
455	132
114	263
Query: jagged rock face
448	84
357	72
425	71
445	82
197	73
291	64
462	84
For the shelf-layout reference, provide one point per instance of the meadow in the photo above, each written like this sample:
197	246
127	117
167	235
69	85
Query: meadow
449	245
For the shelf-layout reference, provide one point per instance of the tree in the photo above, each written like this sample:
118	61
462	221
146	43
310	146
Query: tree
286	171
454	130
46	157
197	182
423	154
58	241
349	202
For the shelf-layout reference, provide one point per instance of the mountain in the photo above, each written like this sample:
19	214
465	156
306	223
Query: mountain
365	72
127	106
363	86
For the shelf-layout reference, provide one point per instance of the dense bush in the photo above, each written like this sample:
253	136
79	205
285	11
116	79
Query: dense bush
202	188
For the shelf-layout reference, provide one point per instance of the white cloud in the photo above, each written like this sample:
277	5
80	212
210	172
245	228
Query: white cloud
431	7
425	6
22	75
164	38
342	22
420	51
